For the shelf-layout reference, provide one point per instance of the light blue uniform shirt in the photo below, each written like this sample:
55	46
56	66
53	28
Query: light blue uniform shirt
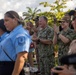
18	41
3	36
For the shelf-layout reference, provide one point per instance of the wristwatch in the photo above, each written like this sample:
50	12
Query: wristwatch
38	40
58	33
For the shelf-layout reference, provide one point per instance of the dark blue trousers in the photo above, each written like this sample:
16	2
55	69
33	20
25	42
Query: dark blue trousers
6	68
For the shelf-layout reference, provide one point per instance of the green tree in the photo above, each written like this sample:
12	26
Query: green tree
49	15
56	8
31	14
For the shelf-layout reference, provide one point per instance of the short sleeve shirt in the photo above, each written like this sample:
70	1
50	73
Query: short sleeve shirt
18	41
63	48
46	50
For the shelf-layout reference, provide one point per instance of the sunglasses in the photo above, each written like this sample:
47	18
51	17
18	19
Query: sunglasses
63	21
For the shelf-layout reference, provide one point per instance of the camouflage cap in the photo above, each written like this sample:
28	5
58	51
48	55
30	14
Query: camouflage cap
65	19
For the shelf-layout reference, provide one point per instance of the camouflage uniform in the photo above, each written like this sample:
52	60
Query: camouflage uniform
74	35
63	48
46	52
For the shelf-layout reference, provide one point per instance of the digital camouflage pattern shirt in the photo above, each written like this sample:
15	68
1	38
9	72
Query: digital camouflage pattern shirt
46	51
64	47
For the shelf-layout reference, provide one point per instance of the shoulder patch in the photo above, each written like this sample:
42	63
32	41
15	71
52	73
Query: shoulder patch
20	35
21	40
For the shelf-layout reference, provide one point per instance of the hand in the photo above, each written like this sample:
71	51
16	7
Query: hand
56	29
34	38
65	71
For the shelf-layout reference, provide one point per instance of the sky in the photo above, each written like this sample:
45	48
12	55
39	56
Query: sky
20	5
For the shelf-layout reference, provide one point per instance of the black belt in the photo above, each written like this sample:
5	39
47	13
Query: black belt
7	62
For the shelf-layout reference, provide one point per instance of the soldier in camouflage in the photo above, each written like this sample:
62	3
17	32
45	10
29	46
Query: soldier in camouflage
45	46
74	26
63	38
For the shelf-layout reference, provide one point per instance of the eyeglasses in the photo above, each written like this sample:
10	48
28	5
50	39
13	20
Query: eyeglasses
63	21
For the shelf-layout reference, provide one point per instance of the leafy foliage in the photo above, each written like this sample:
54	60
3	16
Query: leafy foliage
31	14
56	10
57	6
